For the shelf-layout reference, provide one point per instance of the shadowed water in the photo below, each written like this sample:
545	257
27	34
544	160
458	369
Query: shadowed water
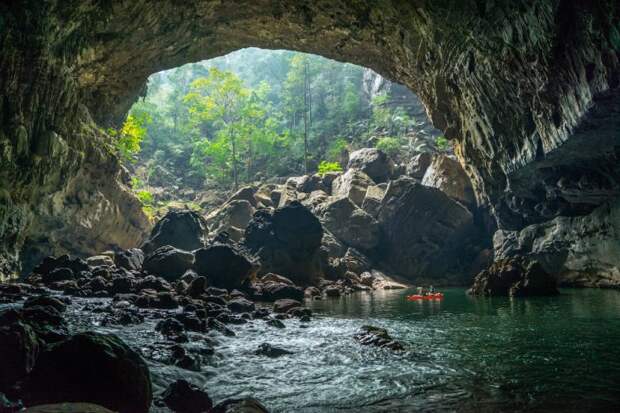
538	354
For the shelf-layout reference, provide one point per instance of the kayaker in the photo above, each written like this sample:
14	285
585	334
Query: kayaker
431	290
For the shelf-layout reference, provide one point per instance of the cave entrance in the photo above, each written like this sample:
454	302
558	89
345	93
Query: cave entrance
206	128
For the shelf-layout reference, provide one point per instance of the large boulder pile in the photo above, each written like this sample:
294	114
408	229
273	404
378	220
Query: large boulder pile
224	265
515	277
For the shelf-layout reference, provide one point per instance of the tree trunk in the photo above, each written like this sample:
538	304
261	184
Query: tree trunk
306	117
234	156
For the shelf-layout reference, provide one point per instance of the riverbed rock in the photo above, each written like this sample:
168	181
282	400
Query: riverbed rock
19	347
515	277
285	304
182	229
244	405
49	264
353	185
232	217
266	349
273	291
287	242
168	262
373	162
379	337
68	408
184	397
91	367
224	266
447	175
240	305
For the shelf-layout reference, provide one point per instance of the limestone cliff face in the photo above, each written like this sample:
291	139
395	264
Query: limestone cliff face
528	89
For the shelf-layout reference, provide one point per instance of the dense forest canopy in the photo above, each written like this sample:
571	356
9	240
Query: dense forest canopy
256	114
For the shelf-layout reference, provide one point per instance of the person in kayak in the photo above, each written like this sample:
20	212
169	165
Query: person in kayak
431	290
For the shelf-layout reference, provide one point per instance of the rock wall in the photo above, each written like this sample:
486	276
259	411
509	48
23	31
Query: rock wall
517	84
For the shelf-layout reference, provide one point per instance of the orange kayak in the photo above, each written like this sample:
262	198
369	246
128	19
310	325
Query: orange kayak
416	297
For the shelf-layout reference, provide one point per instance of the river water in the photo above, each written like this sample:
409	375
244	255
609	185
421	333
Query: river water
462	354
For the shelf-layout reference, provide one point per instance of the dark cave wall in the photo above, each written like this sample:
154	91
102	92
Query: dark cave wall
512	82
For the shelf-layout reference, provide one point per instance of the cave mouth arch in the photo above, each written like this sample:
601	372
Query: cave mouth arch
483	70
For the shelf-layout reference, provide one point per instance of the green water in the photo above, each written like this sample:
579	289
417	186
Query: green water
552	353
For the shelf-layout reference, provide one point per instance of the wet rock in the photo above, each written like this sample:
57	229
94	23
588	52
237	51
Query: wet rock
350	224
271	277
379	337
266	349
68	408
245	405
332	291
188	362
168	262
184	229
447	175
58	274
184	397
123	285
373	162
241	305
197	287
172	329
287	242
274	322
219	326
224	266
273	291
283	305
162	300
131	259
76	265
19	347
91	367
312	292
151	282
417	166
123	317
45	300
353	184
515	277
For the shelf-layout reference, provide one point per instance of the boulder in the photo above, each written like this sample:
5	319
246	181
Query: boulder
232	217
447	175
270	351
350	224
273	291
67	408
283	305
19	347
379	337
287	242
417	166
168	262
246	193
131	259
245	405
373	162
332	246
98	260
271	277
91	367
241	305
76	265
58	274
182	229
224	266
515	277
372	199
353	185
183	397
424	231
